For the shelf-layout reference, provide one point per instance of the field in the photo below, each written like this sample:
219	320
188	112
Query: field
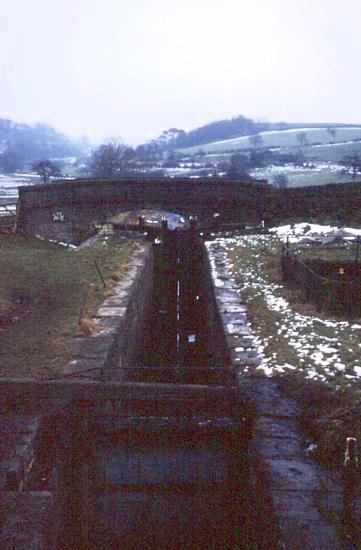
316	357
285	139
48	294
300	176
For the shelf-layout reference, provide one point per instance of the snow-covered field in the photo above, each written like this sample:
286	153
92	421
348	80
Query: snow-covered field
9	183
321	348
311	232
281	138
312	173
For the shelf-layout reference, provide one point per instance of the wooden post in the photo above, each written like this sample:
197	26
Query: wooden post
351	474
357	248
351	483
341	291
164	224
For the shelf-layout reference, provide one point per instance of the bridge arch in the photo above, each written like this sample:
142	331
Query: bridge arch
151	217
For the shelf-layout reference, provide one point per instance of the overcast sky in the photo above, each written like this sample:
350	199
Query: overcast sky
132	68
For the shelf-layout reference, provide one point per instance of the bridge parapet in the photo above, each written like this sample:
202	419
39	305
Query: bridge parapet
57	210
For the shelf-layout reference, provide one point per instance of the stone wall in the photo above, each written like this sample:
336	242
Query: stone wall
119	322
296	503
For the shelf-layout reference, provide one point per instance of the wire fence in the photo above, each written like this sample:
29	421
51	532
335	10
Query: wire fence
333	285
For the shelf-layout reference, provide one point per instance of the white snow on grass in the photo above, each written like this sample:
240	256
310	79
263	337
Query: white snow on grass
297	233
323	348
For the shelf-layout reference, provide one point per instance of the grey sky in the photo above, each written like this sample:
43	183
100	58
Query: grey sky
133	68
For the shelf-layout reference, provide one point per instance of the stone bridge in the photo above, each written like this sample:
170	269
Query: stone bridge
59	210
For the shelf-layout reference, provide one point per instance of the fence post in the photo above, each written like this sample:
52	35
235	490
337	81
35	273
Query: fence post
287	245
341	289
141	222
357	248
100	273
351	472
351	480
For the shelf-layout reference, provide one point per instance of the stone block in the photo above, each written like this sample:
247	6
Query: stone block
300	533
234	318
95	347
238	356
232	308
27	520
297	504
225	296
268	426
89	368
273	447
107	326
237	341
236	328
111	312
120	299
269	401
124	284
294	474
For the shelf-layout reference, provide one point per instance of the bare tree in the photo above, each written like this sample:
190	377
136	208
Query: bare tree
281	181
45	169
106	160
352	164
238	166
302	138
332	133
255	140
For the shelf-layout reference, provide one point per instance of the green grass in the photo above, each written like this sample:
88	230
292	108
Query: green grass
42	299
313	355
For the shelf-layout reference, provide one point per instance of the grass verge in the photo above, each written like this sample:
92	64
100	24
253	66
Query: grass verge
48	295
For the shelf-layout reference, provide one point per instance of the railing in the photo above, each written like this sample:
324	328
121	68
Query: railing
333	285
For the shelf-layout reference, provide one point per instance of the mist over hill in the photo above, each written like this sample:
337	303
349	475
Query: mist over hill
23	144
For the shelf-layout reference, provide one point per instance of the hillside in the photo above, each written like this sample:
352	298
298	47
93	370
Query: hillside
213	135
22	143
307	154
316	139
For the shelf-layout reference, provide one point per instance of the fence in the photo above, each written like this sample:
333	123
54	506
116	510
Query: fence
332	285
7	214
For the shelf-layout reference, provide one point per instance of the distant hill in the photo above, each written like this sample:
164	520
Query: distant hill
21	144
214	131
222	130
315	142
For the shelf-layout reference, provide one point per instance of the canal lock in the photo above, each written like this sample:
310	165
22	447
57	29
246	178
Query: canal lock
169	471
